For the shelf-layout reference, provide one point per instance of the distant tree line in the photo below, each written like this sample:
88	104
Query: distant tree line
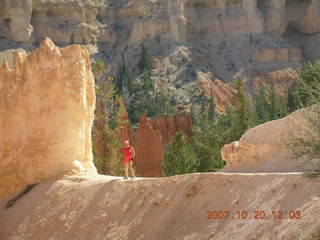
202	152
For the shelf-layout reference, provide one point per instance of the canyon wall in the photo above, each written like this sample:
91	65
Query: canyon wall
46	113
92	21
250	34
188	38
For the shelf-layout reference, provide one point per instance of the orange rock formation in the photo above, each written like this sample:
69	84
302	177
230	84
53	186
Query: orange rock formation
151	139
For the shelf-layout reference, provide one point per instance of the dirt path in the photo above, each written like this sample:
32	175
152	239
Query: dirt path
105	207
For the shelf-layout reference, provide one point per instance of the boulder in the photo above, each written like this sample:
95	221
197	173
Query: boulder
265	148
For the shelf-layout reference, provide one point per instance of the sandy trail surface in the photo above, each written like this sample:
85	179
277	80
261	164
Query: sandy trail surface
104	207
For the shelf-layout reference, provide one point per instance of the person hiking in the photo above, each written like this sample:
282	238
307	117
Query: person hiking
128	156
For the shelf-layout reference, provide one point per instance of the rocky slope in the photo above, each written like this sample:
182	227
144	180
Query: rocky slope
46	113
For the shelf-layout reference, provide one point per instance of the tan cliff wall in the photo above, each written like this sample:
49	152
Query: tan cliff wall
46	112
220	37
90	21
265	148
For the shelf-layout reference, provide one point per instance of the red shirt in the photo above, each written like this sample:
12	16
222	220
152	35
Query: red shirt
127	152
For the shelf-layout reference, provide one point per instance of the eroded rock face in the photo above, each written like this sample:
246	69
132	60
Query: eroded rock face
220	91
148	146
46	113
15	17
169	126
265	147
151	138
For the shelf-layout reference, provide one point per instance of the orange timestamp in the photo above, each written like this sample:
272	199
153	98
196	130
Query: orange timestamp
255	214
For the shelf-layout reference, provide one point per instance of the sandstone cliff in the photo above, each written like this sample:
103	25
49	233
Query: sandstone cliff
46	112
265	147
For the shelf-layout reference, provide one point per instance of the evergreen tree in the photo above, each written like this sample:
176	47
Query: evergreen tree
291	100
275	107
145	60
124	79
211	110
206	144
193	114
308	83
98	68
203	103
180	157
241	114
307	143
212	105
147	82
262	105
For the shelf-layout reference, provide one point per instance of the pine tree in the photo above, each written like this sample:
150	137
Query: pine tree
147	84
180	157
307	144
193	114
203	102
262	105
308	83
241	113
275	108
212	105
124	79
291	100
98	68
145	60
206	144
212	110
